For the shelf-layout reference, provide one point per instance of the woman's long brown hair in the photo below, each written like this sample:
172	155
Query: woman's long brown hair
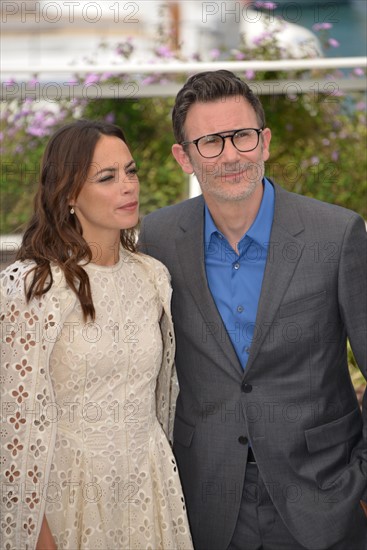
53	234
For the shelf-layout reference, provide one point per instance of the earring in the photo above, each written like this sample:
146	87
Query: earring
72	211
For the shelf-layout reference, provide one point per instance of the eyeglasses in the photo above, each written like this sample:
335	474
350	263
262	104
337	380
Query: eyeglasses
212	145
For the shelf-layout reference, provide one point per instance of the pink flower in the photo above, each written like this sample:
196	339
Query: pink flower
265	5
258	40
214	54
92	79
333	43
358	71
321	26
106	76
239	55
148	80
110	118
250	74
36	131
165	52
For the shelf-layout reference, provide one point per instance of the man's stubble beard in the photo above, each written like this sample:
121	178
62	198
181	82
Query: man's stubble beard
224	194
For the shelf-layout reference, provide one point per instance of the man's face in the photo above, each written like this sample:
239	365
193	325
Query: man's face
231	176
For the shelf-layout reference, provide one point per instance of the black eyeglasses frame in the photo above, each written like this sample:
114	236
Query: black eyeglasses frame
231	135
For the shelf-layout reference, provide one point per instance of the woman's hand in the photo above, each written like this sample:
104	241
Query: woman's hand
45	539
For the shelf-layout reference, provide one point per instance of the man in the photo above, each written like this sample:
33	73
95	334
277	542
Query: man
267	286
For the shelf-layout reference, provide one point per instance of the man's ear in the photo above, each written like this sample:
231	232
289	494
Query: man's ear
266	137
182	158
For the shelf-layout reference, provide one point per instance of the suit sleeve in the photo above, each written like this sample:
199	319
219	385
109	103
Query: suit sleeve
353	304
142	240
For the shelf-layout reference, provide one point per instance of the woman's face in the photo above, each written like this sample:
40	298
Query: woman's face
109	198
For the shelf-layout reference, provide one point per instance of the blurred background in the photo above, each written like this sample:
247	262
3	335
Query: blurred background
47	32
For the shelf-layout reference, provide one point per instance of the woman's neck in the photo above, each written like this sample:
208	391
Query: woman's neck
106	254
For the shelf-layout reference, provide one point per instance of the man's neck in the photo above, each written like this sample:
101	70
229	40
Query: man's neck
233	218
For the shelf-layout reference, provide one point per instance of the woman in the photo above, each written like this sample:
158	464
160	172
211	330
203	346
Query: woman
87	366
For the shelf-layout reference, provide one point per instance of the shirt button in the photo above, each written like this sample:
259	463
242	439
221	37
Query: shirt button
220	236
236	265
247	388
243	440
247	350
240	309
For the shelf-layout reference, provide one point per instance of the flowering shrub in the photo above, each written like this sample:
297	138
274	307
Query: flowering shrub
318	145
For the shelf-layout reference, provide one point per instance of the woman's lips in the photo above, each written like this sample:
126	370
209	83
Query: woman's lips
130	206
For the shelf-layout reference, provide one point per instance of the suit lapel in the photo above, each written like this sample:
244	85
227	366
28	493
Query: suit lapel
190	248
284	253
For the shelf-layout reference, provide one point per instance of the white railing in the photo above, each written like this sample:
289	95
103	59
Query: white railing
50	83
191	67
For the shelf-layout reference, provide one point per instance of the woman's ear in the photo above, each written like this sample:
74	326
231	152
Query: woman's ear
71	206
182	158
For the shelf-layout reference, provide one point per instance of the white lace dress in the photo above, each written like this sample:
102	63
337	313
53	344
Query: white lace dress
114	482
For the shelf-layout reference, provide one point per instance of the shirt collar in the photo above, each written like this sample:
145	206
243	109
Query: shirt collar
260	229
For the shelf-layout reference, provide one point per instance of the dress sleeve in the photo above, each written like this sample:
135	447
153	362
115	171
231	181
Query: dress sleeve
167	384
26	427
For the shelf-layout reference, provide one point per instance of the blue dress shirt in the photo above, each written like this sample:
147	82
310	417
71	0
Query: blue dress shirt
235	279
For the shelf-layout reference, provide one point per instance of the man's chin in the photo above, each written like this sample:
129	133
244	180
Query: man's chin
232	197
237	194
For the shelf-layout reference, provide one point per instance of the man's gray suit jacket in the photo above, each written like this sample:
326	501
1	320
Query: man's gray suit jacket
295	401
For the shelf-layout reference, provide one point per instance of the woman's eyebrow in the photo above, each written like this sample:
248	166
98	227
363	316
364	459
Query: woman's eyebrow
114	168
107	169
128	164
